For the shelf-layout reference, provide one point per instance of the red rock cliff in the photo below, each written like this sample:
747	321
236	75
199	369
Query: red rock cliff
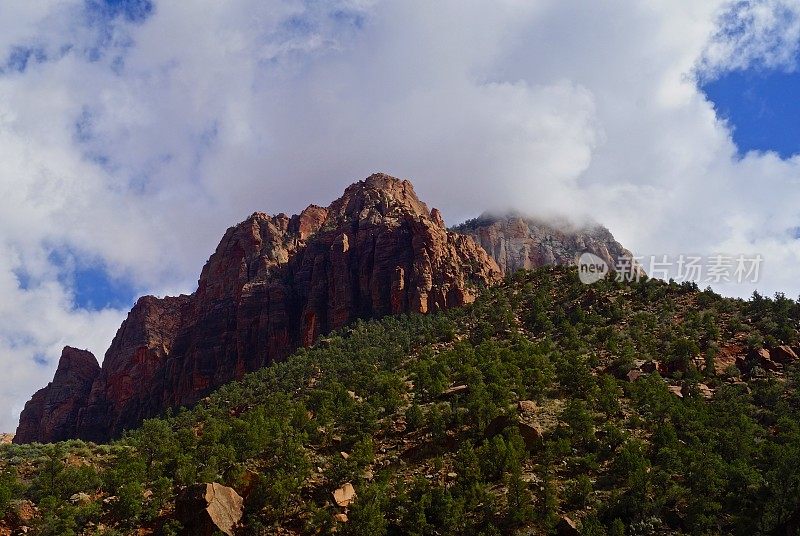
274	283
52	413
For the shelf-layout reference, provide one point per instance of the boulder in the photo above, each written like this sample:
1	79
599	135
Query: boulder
783	354
633	375
527	407
344	495
454	391
651	366
764	359
80	498
204	509
700	389
567	527
729	355
705	391
531	433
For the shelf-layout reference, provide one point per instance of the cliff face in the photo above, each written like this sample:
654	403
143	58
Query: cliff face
274	283
516	242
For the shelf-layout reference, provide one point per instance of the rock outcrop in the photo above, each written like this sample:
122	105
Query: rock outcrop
516	242
274	283
52	413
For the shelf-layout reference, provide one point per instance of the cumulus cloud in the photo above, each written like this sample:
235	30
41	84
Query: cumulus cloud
132	134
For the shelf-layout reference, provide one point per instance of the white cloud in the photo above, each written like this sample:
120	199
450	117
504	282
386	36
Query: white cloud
762	33
36	324
139	153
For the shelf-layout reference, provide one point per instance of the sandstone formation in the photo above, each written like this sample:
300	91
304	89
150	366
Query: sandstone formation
773	359
516	242
52	413
273	284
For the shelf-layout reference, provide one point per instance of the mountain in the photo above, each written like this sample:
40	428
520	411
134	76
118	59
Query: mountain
274	283
517	242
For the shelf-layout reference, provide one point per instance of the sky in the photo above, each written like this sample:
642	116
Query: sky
134	132
761	107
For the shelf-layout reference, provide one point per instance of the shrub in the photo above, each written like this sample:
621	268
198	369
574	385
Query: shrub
128	506
366	518
414	417
8	489
578	491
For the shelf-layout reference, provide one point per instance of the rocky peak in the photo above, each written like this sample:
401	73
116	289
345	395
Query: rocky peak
247	251
262	243
377	197
519	242
274	283
52	413
77	366
308	222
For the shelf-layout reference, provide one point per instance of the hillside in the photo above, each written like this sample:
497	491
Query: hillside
619	408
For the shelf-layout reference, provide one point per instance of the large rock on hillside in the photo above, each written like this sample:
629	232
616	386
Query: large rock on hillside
208	509
274	283
517	242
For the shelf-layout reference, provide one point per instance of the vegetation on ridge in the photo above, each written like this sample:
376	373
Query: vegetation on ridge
409	409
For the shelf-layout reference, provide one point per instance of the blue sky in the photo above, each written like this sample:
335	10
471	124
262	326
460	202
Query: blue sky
93	286
132	10
762	107
95	289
